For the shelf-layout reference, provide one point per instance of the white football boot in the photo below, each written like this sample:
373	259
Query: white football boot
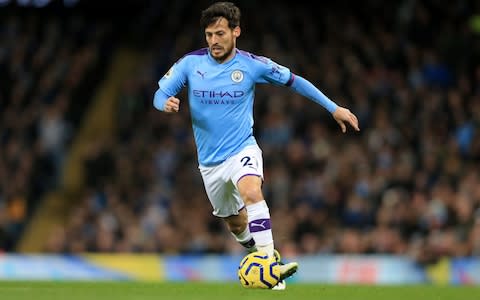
286	270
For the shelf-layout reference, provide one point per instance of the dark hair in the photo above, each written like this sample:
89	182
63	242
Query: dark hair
227	10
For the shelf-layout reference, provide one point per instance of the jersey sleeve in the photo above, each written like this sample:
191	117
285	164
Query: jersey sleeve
271	72
175	79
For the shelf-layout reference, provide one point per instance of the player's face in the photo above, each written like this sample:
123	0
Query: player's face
221	39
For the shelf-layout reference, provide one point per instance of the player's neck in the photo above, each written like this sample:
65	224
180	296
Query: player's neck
228	57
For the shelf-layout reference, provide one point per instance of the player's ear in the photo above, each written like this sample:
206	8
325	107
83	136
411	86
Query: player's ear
237	31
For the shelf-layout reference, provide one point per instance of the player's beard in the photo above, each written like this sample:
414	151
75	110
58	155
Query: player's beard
223	57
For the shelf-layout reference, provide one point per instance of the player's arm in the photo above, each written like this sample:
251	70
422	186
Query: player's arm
163	102
168	86
341	114
276	74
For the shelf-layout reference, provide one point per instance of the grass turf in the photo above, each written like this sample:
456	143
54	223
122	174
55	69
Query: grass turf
19	290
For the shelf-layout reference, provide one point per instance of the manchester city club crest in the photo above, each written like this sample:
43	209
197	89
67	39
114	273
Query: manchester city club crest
237	76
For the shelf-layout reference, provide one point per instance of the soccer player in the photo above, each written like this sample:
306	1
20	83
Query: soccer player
221	83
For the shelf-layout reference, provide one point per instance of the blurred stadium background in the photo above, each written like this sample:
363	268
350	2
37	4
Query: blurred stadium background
96	184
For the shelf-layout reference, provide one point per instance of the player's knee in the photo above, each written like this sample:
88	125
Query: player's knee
238	225
238	228
252	195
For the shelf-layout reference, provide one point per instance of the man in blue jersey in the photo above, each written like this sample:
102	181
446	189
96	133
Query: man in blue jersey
221	83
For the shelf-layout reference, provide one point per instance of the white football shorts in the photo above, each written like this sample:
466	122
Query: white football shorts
221	180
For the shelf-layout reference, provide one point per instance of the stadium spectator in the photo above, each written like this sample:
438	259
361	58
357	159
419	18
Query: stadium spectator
48	66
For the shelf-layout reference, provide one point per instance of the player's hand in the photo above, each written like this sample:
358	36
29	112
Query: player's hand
343	115
172	105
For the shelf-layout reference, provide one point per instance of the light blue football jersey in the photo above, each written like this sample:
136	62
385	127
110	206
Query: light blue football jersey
221	98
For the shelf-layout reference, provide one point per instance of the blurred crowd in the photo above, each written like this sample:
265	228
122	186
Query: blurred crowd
408	183
48	67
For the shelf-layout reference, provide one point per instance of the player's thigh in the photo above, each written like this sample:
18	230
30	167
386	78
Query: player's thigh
247	162
222	194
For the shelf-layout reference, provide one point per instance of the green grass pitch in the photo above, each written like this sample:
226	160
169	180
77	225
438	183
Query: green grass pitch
56	290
